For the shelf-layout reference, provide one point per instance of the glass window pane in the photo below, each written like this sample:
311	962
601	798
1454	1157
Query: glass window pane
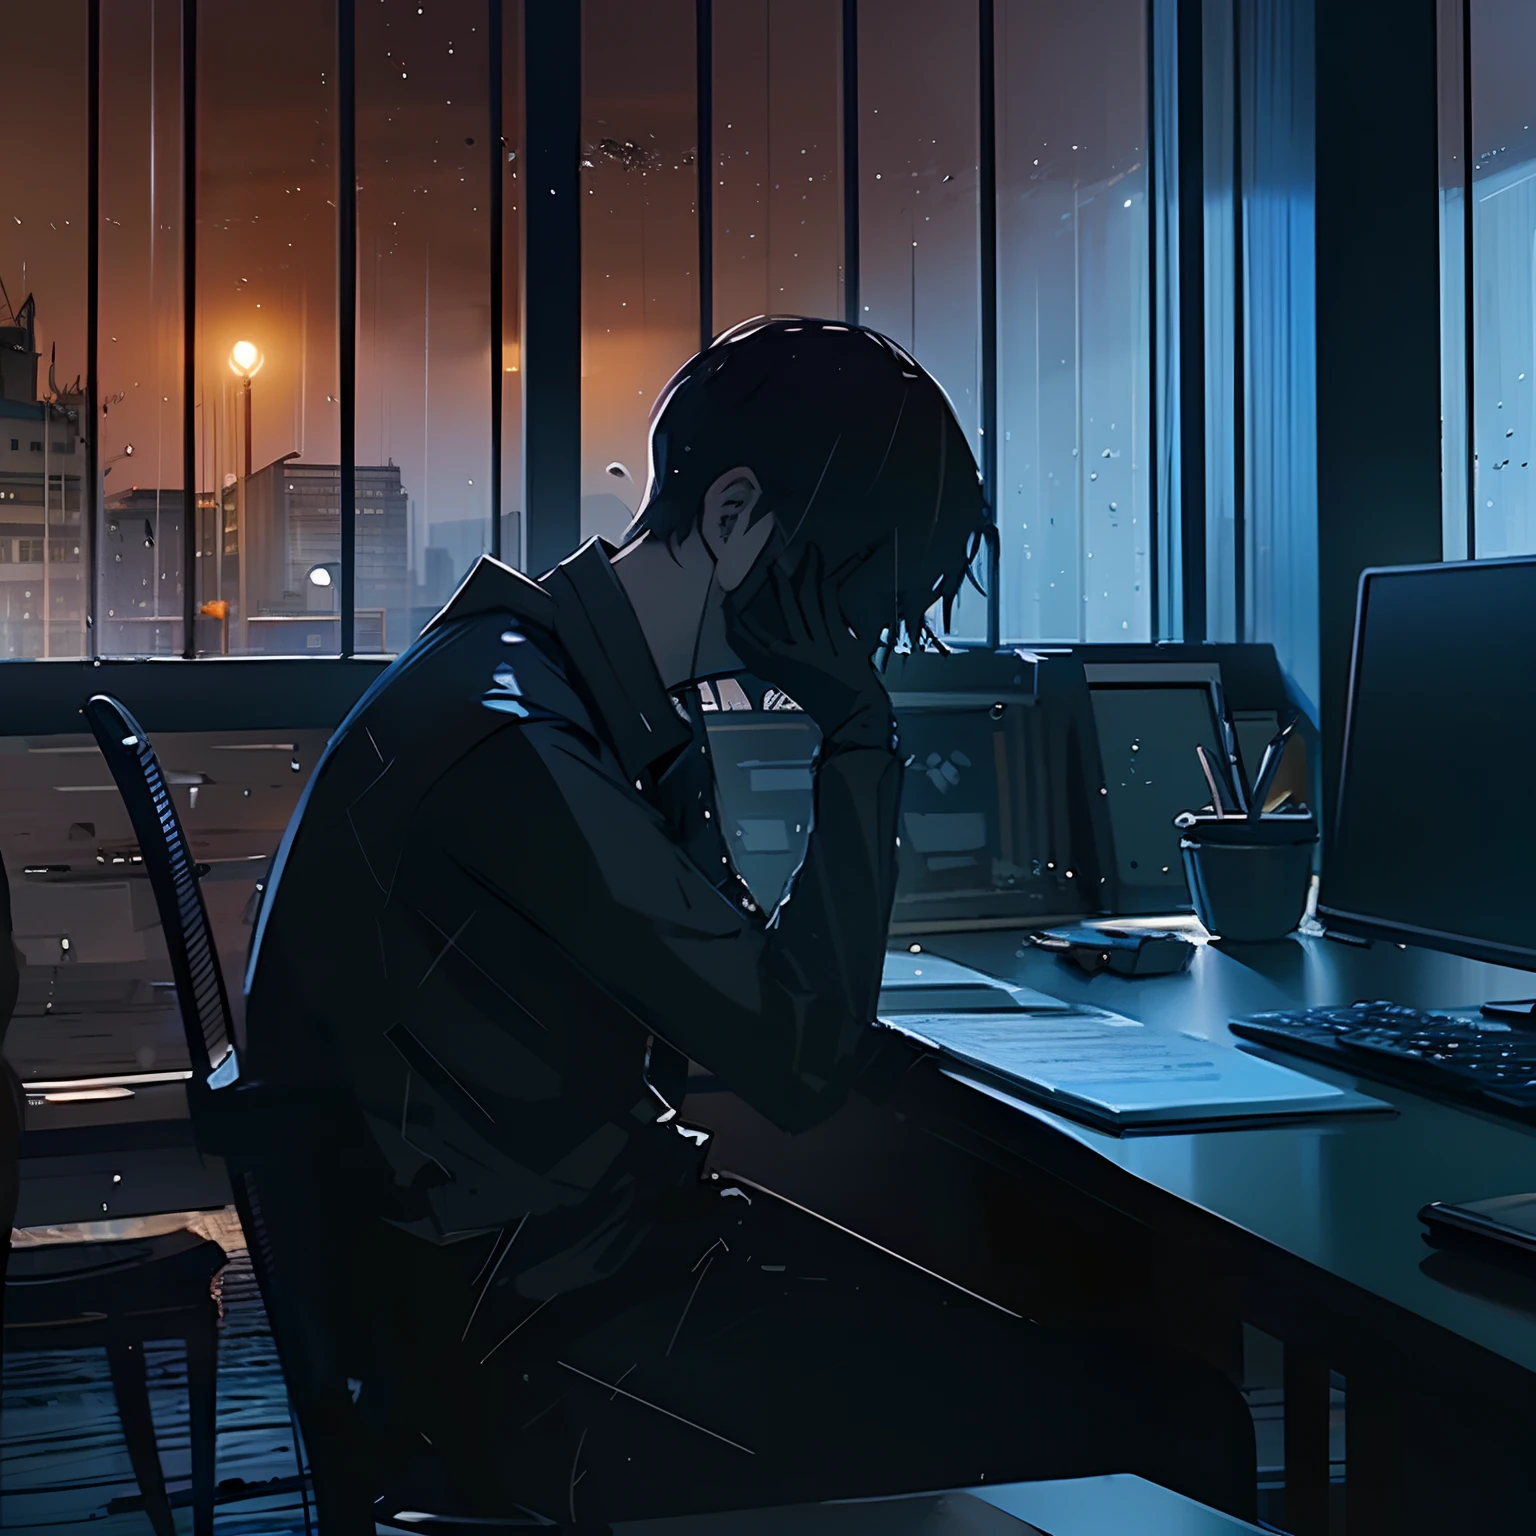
266	283
639	239
778	159
42	337
1453	279
919	223
1504	274
1280	299
423	333
1073	508
511	159
139	542
1221	320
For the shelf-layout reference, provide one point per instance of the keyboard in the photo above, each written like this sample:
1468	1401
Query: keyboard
1484	1063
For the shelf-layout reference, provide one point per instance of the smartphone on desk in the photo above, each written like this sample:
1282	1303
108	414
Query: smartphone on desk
1506	1223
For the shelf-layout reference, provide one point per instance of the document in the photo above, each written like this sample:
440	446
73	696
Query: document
1113	1071
926	983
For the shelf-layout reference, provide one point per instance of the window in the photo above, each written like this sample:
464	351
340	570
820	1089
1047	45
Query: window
1489	505
139	587
1074	507
887	223
424	428
919	235
778	193
639	238
44	237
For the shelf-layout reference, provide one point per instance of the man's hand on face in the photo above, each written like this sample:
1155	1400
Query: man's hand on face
791	632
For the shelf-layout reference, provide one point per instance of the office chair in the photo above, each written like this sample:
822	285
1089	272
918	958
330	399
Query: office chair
252	1126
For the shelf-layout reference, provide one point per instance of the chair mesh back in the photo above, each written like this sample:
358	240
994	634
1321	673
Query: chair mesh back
172	874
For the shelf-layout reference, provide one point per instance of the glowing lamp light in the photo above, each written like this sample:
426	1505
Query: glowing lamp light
245	359
320	576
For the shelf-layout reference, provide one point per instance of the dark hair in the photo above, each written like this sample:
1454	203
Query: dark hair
855	446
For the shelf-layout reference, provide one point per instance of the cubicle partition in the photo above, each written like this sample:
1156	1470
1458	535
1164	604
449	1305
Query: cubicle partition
239	740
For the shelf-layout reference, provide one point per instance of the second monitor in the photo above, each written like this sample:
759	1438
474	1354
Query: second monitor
996	824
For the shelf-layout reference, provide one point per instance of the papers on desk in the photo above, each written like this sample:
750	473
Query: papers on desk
1097	1066
931	984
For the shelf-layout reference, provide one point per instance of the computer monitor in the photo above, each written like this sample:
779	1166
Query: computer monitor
996	819
763	761
1434	841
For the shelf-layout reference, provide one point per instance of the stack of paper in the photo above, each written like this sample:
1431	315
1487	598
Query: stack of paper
1093	1065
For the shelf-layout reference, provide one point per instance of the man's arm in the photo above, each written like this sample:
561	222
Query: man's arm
831	927
826	942
779	1006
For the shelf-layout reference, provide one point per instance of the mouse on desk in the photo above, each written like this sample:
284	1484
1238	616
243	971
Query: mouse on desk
1121	951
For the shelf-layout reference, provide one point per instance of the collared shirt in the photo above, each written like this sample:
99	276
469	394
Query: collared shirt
505	918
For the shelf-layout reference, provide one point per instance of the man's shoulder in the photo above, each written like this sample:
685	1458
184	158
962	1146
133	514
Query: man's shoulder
491	588
489	659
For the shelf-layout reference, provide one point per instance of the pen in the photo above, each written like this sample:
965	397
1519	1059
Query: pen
1229	745
1269	767
1210	781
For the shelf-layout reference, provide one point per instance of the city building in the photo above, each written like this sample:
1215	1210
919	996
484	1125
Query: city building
292	550
139	599
289	600
42	464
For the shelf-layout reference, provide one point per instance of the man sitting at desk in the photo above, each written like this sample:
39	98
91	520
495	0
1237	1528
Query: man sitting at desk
504	920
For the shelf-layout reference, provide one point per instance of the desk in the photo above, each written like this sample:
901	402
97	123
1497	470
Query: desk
1084	1506
1307	1230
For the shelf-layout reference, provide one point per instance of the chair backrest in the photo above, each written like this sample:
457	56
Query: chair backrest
173	877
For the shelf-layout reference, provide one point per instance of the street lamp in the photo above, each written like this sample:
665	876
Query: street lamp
246	359
323	580
245	362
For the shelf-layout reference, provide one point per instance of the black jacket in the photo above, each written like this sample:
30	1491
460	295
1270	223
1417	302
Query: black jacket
504	918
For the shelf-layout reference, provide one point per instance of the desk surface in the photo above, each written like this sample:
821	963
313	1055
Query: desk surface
1341	1195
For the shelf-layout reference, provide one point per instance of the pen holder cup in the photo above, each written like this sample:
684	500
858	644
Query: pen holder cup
1249	880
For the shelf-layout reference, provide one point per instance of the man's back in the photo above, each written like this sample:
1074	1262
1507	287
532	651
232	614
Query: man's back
505	917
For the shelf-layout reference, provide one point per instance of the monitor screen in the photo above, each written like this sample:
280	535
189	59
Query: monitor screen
982	836
1435	837
979	840
763	762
